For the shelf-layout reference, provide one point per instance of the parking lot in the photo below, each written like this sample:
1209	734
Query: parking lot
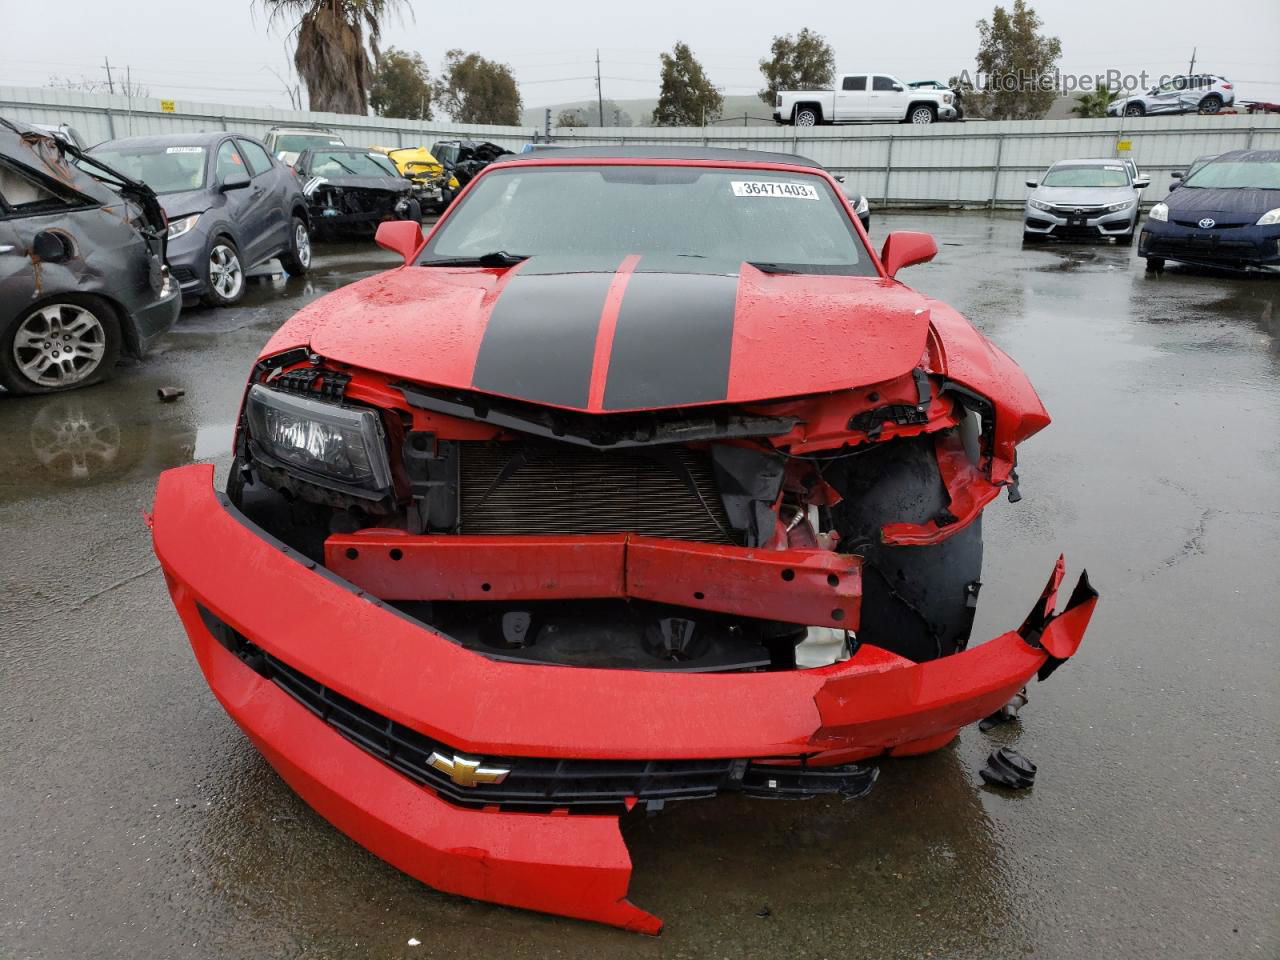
138	821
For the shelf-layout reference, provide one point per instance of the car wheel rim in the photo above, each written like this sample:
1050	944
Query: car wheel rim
59	345
922	116
302	243
806	119
225	275
72	441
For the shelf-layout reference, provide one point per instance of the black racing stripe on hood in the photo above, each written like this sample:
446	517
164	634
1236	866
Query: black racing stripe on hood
672	342
541	336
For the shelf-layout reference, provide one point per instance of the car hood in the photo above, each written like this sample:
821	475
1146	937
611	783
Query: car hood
1066	196
185	203
1208	200
632	337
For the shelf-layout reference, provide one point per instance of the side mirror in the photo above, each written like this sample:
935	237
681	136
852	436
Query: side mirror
897	87
399	236
1033	184
905	248
1178	174
236	182
1142	183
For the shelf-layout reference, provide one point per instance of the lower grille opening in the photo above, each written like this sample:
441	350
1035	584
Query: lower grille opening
537	784
530	488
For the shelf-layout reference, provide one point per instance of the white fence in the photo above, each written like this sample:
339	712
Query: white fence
970	164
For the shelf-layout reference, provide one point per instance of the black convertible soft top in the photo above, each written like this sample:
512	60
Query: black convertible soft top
642	152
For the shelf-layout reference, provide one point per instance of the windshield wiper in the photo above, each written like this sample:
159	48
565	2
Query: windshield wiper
497	258
766	267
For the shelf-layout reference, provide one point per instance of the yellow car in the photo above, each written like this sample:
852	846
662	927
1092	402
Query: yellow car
418	164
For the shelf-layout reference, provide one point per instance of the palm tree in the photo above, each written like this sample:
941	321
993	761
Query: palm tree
331	54
1092	104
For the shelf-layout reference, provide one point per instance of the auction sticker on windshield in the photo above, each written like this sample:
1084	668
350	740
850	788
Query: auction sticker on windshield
774	188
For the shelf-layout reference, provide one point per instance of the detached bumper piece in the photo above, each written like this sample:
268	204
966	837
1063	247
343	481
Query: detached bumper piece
487	778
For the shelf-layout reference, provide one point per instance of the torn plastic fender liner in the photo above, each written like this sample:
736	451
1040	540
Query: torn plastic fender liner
574	866
969	491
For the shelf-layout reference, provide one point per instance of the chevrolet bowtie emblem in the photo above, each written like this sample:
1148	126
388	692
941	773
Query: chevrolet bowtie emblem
466	772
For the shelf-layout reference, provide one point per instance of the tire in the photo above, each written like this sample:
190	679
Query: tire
1126	239
1032	238
916	601
1135	110
224	273
922	113
807	117
296	260
1155	264
413	212
66	342
1211	104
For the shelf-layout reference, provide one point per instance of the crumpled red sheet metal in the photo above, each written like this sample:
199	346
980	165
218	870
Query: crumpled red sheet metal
574	865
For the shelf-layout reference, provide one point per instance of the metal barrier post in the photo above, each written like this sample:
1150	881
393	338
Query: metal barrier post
888	164
995	174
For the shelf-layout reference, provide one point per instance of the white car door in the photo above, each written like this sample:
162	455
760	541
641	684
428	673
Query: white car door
852	100
888	98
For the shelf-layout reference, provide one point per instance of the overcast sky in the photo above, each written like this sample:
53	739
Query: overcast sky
222	51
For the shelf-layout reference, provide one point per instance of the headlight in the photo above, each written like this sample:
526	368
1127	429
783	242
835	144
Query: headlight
946	98
326	444
1124	205
1039	205
862	207
1159	212
183	225
1270	218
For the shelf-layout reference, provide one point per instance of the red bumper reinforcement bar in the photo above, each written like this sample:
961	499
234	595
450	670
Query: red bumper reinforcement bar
812	587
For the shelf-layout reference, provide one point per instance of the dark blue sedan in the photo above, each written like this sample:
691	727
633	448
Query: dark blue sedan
1226	214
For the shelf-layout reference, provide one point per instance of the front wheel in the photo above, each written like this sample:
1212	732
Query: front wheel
923	114
224	274
806	117
1030	238
1155	264
297	259
1134	110
70	341
413	211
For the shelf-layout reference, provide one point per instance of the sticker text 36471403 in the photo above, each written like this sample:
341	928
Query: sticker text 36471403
774	188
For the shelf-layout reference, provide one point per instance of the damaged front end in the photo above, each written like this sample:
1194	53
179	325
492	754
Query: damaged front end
479	629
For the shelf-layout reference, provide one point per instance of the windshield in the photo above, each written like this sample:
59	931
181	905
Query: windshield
343	163
790	222
1242	175
1077	175
297	142
163	169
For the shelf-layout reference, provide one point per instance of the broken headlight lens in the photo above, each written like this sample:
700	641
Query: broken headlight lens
342	448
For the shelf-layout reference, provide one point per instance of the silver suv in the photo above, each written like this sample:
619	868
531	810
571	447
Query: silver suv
1196	93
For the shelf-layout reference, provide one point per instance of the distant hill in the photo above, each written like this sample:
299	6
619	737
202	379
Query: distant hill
641	111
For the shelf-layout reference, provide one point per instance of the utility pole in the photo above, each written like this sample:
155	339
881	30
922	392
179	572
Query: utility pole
547	124
111	87
1192	69
599	89
128	89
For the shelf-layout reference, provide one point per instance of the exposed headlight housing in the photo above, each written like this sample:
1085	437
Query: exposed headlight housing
341	448
1039	204
1159	212
1270	218
1122	205
182	225
946	98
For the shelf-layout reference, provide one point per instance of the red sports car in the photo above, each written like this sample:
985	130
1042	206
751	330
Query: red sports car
643	479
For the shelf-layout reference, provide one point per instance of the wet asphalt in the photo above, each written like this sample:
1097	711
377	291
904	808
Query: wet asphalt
136	821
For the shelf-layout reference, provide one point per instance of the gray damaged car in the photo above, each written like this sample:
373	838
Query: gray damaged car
83	279
1084	200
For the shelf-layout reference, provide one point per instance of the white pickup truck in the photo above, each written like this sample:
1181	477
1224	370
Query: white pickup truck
862	97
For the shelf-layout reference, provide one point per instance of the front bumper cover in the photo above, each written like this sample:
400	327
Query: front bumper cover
574	865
